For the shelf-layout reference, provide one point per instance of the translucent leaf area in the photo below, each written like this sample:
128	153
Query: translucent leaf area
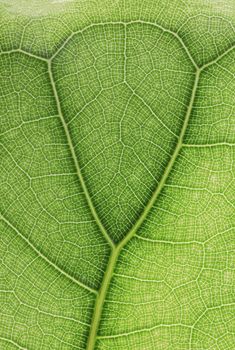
117	129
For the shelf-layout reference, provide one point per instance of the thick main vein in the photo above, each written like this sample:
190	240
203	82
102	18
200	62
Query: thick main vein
115	253
75	160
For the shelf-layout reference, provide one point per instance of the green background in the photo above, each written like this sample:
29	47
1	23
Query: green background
117	175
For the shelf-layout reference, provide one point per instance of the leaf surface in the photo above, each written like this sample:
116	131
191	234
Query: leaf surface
117	175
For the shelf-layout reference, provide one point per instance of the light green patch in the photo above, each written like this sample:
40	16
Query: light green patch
35	8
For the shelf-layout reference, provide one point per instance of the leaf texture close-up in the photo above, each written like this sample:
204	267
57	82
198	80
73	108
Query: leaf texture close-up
117	190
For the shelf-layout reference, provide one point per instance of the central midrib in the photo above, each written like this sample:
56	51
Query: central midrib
117	249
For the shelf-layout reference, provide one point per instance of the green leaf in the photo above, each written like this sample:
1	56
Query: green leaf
117	175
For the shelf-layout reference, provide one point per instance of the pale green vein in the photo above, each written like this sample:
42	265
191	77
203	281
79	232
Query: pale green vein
75	160
217	307
144	280
208	145
143	330
225	53
151	110
13	343
161	241
55	316
166	30
25	53
41	255
28	122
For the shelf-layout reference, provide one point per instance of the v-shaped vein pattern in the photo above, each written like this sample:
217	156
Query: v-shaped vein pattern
118	211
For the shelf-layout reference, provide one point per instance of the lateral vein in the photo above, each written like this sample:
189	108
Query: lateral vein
75	160
45	258
168	169
13	343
